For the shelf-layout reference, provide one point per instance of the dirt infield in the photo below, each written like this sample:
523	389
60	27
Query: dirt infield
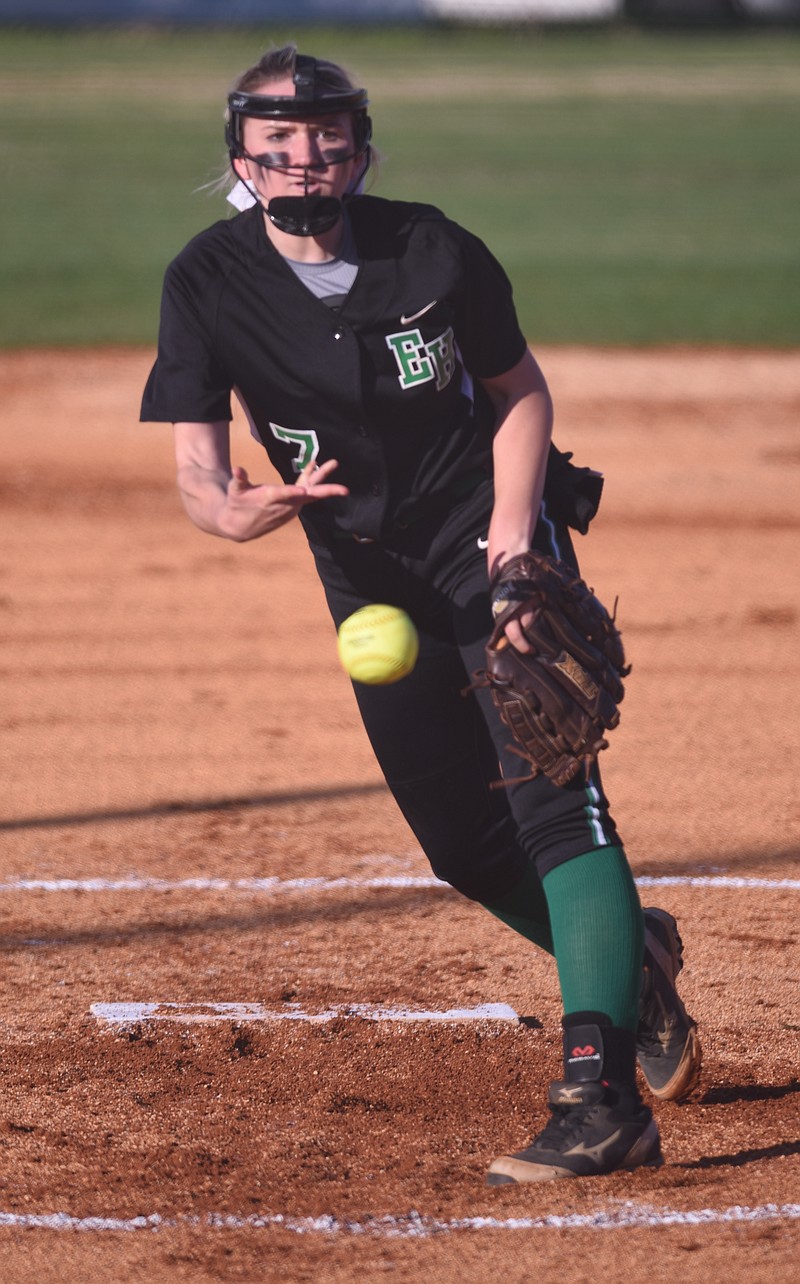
175	728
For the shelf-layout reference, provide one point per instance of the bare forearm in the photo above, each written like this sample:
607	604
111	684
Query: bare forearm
521	445
204	495
520	462
226	504
220	498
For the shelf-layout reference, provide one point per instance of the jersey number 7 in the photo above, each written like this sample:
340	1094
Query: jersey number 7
307	441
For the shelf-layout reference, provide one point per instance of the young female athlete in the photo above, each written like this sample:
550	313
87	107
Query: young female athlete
376	351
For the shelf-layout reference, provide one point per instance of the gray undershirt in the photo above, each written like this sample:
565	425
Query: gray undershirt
332	281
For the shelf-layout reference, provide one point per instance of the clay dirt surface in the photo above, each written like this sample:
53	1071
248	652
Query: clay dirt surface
173	710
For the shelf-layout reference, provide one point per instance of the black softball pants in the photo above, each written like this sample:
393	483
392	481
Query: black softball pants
439	749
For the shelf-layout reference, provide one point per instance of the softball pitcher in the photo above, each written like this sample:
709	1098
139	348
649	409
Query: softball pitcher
376	351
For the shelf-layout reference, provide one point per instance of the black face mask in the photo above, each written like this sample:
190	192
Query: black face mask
302	215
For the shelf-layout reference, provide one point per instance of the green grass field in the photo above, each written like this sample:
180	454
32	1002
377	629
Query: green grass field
639	188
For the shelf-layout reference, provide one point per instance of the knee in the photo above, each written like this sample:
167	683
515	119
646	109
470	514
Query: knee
480	871
465	829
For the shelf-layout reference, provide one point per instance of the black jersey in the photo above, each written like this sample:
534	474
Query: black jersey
384	384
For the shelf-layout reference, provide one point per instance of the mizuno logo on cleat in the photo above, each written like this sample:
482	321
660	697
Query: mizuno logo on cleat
567	1096
595	1152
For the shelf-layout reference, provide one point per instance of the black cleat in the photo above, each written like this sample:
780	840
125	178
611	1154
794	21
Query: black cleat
595	1129
667	1045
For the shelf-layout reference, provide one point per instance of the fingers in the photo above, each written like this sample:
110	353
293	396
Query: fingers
314	474
322	492
285	500
312	481
311	475
516	636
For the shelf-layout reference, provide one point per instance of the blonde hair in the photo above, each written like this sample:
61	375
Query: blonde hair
277	64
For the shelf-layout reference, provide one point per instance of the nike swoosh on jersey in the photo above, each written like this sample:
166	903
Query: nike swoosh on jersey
404	320
483	543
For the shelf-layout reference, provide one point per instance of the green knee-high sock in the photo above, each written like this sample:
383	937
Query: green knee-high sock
524	909
598	931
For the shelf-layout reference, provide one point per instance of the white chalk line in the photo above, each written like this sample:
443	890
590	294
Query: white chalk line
127	1014
412	1225
277	886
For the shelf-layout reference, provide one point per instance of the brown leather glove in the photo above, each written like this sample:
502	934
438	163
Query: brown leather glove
558	700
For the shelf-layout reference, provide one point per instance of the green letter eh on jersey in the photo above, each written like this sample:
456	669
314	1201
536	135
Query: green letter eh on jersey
420	362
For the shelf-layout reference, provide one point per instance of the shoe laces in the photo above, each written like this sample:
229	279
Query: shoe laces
566	1122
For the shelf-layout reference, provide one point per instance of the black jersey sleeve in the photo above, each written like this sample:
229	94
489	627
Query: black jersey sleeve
490	337
188	383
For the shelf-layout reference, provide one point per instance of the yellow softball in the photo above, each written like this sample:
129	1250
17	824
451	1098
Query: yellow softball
378	644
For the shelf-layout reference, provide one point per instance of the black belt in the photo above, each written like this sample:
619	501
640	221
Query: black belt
432	505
